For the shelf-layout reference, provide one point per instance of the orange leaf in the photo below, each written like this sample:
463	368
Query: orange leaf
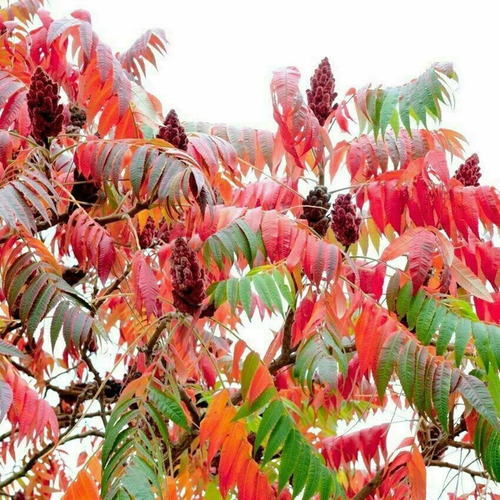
417	474
234	457
83	488
260	382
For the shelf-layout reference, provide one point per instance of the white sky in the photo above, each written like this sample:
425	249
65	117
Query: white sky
222	53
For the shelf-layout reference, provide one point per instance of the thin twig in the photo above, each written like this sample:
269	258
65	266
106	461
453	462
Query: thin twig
458	467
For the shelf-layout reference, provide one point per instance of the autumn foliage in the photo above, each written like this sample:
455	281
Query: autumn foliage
142	257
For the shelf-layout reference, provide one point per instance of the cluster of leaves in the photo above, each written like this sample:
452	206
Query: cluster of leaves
128	232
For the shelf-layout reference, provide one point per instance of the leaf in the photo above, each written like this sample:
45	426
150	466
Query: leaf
462	336
441	386
145	284
7	349
133	59
270	417
6	397
91	242
404	298
169	407
387	360
291	450
167	175
469	281
418	99
477	395
420	252
446	330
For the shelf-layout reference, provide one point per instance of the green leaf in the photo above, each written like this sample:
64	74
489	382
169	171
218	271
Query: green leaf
462	336
220	293
261	286
424	321
284	290
300	474
441	386
476	394
278	436
113	430
420	368
404	299
327	485
415	305
137	484
313	478
269	419
169	407
445	333
245	295
481	342
250	365
406	369
388	357
494	341
232	293
388	108
291	450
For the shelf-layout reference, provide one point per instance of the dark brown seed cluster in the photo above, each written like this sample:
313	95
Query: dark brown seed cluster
469	172
188	285
112	388
77	119
45	112
148	233
315	209
322	93
173	132
85	191
345	223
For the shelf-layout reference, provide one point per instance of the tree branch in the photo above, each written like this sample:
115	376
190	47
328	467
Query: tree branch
370	486
458	467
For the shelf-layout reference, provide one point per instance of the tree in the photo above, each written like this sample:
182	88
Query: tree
135	248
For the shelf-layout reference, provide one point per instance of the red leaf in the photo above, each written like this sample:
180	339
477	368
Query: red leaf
437	162
421	249
145	284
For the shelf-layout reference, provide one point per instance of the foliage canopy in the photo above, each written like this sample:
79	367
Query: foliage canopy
138	252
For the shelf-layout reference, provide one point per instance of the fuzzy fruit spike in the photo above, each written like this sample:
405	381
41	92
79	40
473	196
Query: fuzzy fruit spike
173	132
469	172
315	208
316	204
322	93
147	235
188	278
345	224
45	112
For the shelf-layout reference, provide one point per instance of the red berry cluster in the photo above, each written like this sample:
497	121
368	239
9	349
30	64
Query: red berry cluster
148	233
173	132
315	208
345	224
469	172
188	285
322	93
45	112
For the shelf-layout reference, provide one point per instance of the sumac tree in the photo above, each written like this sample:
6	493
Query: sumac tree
138	252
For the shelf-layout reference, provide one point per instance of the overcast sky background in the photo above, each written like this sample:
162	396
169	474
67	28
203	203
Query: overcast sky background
221	55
